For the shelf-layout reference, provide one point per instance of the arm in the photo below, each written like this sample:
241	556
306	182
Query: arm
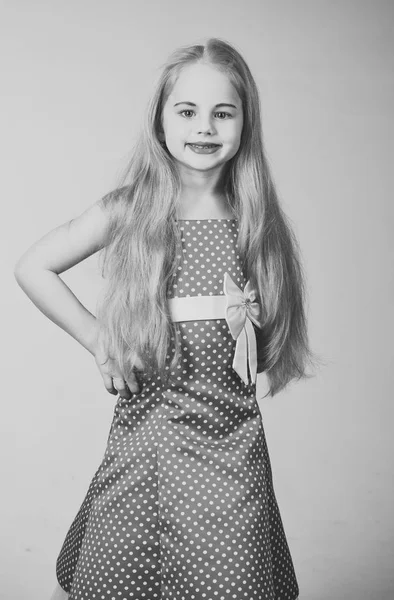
37	272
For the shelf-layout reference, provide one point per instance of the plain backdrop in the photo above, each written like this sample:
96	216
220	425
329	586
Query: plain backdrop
75	78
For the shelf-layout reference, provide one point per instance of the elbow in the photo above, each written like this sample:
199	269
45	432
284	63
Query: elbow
26	268
21	269
17	268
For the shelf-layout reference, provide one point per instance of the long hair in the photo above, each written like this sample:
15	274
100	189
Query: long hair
143	247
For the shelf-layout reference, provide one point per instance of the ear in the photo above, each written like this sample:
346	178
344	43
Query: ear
162	138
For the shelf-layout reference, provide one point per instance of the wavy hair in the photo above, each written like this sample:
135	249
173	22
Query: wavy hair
140	257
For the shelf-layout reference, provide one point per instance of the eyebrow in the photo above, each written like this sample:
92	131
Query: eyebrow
216	105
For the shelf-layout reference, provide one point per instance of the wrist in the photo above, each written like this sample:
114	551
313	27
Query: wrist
92	337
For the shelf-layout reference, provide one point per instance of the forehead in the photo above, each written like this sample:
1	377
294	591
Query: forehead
201	82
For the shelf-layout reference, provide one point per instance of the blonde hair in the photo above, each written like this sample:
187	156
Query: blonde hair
140	258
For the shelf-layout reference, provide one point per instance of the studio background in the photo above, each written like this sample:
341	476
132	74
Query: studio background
75	78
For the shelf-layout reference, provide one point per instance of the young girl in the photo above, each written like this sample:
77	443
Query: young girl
204	290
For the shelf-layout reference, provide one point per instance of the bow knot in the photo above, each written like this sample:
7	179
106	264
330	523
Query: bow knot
241	310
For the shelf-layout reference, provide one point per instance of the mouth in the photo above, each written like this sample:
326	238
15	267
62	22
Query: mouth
203	148
203	145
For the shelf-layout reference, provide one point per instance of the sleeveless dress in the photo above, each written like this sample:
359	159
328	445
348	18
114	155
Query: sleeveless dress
183	505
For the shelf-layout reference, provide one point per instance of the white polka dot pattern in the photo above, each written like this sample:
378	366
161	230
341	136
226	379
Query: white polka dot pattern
183	505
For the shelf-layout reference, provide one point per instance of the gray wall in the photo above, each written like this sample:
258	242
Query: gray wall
75	77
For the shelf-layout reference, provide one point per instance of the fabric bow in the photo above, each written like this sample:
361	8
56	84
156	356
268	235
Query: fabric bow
241	310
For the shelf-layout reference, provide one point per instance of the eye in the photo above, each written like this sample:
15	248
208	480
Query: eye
224	113
221	112
186	110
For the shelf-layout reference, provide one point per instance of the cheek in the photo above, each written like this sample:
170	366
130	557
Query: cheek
176	130
239	135
239	128
235	136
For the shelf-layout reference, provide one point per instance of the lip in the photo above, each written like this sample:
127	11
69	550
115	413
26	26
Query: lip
205	144
204	148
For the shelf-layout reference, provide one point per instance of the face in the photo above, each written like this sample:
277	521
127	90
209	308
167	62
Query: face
203	108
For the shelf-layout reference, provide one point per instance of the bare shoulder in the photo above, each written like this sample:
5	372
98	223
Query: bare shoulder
71	242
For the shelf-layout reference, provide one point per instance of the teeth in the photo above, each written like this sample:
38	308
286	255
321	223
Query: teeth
203	145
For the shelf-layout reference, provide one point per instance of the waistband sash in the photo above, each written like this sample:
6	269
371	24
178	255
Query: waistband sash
239	308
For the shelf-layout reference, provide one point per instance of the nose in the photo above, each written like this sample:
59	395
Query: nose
205	130
205	126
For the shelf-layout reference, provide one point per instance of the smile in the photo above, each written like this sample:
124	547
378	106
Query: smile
204	148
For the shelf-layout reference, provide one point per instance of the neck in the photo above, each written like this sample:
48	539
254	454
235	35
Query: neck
202	195
204	207
208	184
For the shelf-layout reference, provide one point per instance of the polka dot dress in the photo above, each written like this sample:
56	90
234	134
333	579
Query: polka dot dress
183	506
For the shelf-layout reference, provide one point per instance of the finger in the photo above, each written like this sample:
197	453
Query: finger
138	364
121	386
109	384
133	384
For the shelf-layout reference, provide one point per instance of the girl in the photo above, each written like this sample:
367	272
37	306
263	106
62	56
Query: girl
204	290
